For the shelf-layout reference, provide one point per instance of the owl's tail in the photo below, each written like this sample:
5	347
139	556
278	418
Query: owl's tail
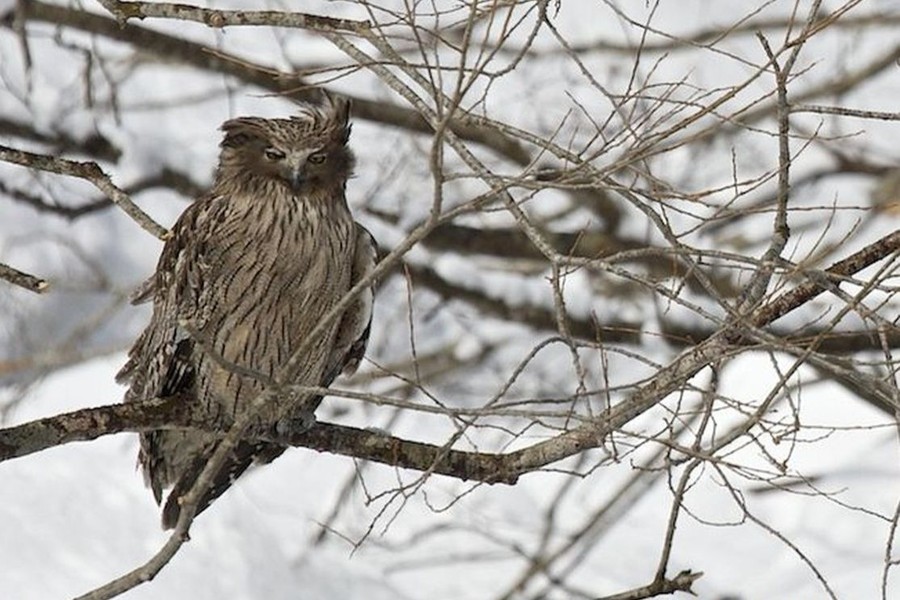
243	455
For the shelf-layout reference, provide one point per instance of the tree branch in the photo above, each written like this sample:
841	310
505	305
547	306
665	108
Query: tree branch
539	317
514	243
89	171
23	280
178	413
88	424
223	18
661	587
166	178
836	273
846	112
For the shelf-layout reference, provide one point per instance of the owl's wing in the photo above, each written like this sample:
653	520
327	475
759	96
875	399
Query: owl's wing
161	362
158	363
353	330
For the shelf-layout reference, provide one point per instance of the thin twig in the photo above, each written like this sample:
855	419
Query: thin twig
846	112
91	172
166	178
23	280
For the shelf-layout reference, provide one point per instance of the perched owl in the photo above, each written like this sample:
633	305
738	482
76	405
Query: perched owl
251	268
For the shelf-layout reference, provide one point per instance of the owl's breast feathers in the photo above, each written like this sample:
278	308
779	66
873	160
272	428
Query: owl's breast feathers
242	281
253	275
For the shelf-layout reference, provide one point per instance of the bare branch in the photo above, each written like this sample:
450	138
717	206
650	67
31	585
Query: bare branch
124	11
661	587
23	280
178	413
91	172
842	111
167	178
759	283
803	293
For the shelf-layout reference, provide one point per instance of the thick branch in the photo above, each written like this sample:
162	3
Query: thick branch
540	317
175	413
89	424
222	18
514	243
846	112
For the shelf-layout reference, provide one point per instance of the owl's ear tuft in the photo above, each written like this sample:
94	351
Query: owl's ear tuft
240	131
338	110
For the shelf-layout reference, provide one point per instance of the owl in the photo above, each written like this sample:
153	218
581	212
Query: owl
251	268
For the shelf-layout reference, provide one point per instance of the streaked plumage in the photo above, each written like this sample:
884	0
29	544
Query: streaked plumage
251	269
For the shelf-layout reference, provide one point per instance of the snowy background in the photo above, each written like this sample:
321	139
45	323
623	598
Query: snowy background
74	517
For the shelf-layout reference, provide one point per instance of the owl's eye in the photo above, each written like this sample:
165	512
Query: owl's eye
317	158
274	154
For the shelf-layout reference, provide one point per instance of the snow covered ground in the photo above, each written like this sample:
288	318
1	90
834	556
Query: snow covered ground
76	516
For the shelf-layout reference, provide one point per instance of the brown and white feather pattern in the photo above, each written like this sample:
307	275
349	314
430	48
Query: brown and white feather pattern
250	270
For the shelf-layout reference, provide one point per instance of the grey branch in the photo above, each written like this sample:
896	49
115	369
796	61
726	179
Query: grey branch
176	413
166	178
661	587
224	18
846	112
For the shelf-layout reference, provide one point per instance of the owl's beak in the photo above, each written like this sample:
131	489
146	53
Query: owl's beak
298	178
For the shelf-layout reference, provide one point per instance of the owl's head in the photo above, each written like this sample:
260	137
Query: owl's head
305	152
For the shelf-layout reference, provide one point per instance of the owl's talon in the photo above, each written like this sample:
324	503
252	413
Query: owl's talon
287	429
